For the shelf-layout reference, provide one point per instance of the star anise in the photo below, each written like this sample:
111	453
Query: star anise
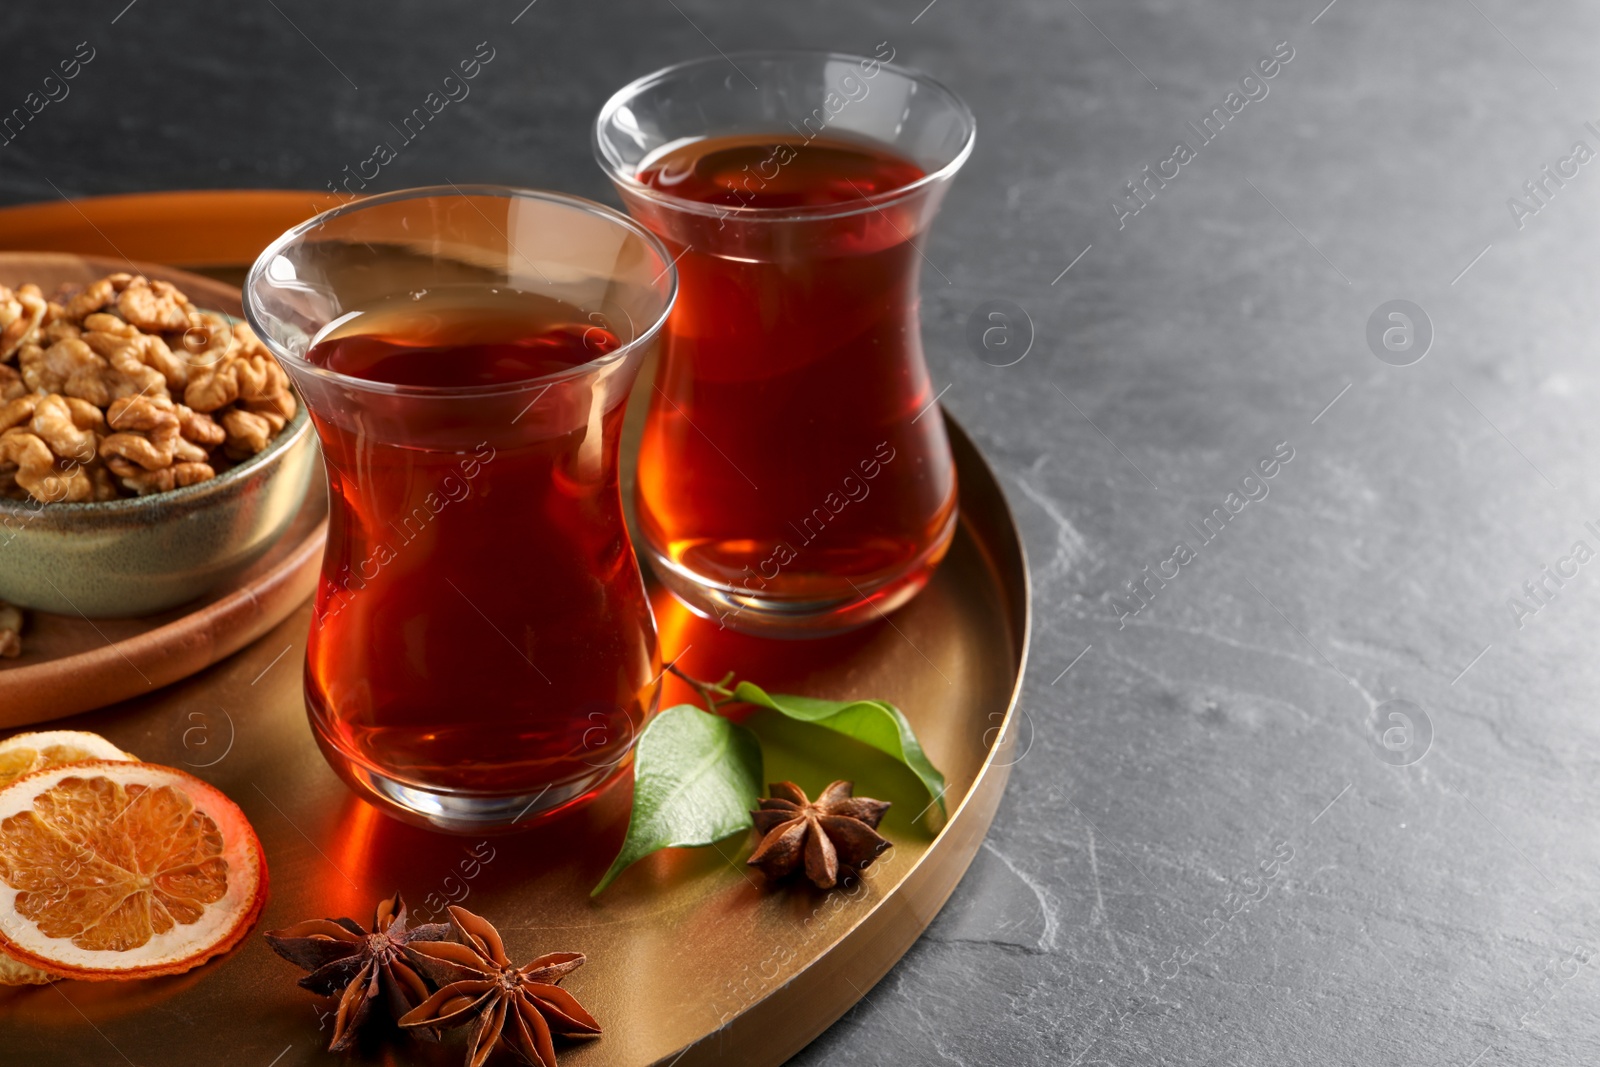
517	1008
837	832
359	966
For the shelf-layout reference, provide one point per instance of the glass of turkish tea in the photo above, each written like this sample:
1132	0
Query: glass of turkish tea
794	474
481	649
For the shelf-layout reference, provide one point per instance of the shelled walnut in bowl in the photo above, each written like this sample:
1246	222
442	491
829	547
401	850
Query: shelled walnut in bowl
151	450
125	388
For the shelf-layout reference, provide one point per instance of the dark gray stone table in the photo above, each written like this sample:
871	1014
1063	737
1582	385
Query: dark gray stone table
1227	843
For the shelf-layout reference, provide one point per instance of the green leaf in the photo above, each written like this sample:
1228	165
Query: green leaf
872	722
695	778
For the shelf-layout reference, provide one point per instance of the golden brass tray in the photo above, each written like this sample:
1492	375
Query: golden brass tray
691	960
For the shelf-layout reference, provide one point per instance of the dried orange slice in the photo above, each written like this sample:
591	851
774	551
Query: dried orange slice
30	752
124	870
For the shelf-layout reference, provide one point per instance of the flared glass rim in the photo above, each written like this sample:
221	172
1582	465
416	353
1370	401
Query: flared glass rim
625	178
257	275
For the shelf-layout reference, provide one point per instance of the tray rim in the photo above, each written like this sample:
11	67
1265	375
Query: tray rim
228	221
747	1038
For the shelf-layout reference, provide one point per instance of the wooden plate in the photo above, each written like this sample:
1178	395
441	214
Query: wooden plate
70	664
691	960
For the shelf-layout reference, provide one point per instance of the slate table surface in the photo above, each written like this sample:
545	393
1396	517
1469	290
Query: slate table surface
1328	796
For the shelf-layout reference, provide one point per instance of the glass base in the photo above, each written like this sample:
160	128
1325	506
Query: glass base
455	811
740	609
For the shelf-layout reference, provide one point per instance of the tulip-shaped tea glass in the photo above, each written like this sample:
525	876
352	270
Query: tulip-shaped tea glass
481	649
794	474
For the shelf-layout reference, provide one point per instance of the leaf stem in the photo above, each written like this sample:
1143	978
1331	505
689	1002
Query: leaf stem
715	694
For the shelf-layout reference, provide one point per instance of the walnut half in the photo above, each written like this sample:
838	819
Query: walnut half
36	469
149	431
143	482
155	306
20	314
246	372
67	425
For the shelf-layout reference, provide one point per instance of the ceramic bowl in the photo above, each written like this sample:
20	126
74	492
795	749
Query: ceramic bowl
121	558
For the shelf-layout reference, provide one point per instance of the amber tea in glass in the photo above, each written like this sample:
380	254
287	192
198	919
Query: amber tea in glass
481	649
794	474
